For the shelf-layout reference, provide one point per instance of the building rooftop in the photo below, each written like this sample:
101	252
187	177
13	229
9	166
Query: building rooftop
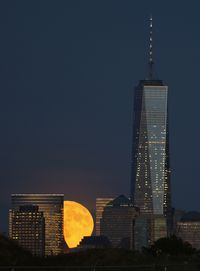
120	201
21	195
152	82
191	216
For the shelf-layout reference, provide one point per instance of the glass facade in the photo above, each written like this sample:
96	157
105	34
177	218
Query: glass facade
149	228
143	232
100	204
28	229
117	222
159	226
52	207
150	179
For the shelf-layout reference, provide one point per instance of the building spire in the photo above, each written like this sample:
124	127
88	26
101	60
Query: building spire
151	48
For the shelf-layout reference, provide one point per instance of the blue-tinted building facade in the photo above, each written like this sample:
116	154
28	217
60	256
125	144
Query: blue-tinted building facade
150	177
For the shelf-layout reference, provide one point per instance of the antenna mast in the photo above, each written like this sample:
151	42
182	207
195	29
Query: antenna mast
151	48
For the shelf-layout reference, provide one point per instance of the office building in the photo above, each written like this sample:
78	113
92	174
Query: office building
188	228
117	222
150	176
100	204
28	229
51	205
150	171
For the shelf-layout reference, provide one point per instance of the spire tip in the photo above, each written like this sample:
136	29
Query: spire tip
151	48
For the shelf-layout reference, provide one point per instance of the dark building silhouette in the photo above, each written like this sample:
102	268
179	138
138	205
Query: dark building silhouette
28	229
117	222
150	176
89	242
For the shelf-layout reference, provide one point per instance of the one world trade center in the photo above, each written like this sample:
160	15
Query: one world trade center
150	172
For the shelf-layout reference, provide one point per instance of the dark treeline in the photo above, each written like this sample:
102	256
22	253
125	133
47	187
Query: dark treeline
165	251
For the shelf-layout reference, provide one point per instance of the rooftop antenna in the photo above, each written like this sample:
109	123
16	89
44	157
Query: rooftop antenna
151	48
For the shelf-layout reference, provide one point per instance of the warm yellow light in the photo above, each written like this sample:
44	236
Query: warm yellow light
78	222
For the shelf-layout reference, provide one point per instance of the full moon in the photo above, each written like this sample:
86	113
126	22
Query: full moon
78	222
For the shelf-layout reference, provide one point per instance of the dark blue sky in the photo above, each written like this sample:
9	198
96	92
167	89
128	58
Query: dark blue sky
67	72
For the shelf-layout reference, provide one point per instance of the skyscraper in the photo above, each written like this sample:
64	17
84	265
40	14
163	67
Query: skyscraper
150	176
28	229
51	205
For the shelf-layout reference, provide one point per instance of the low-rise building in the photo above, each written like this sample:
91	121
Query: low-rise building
188	228
89	242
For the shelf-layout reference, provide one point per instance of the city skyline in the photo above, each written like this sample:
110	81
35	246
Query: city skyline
67	88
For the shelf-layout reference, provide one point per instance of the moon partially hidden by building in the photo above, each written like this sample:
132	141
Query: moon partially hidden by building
78	222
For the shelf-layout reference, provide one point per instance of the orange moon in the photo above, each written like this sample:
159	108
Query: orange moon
78	222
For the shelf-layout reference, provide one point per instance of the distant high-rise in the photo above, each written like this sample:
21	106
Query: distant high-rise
51	205
117	222
28	229
150	177
100	204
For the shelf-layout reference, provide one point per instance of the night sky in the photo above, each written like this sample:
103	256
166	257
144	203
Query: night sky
67	73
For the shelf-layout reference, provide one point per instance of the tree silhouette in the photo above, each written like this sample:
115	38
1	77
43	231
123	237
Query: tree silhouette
11	253
171	246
